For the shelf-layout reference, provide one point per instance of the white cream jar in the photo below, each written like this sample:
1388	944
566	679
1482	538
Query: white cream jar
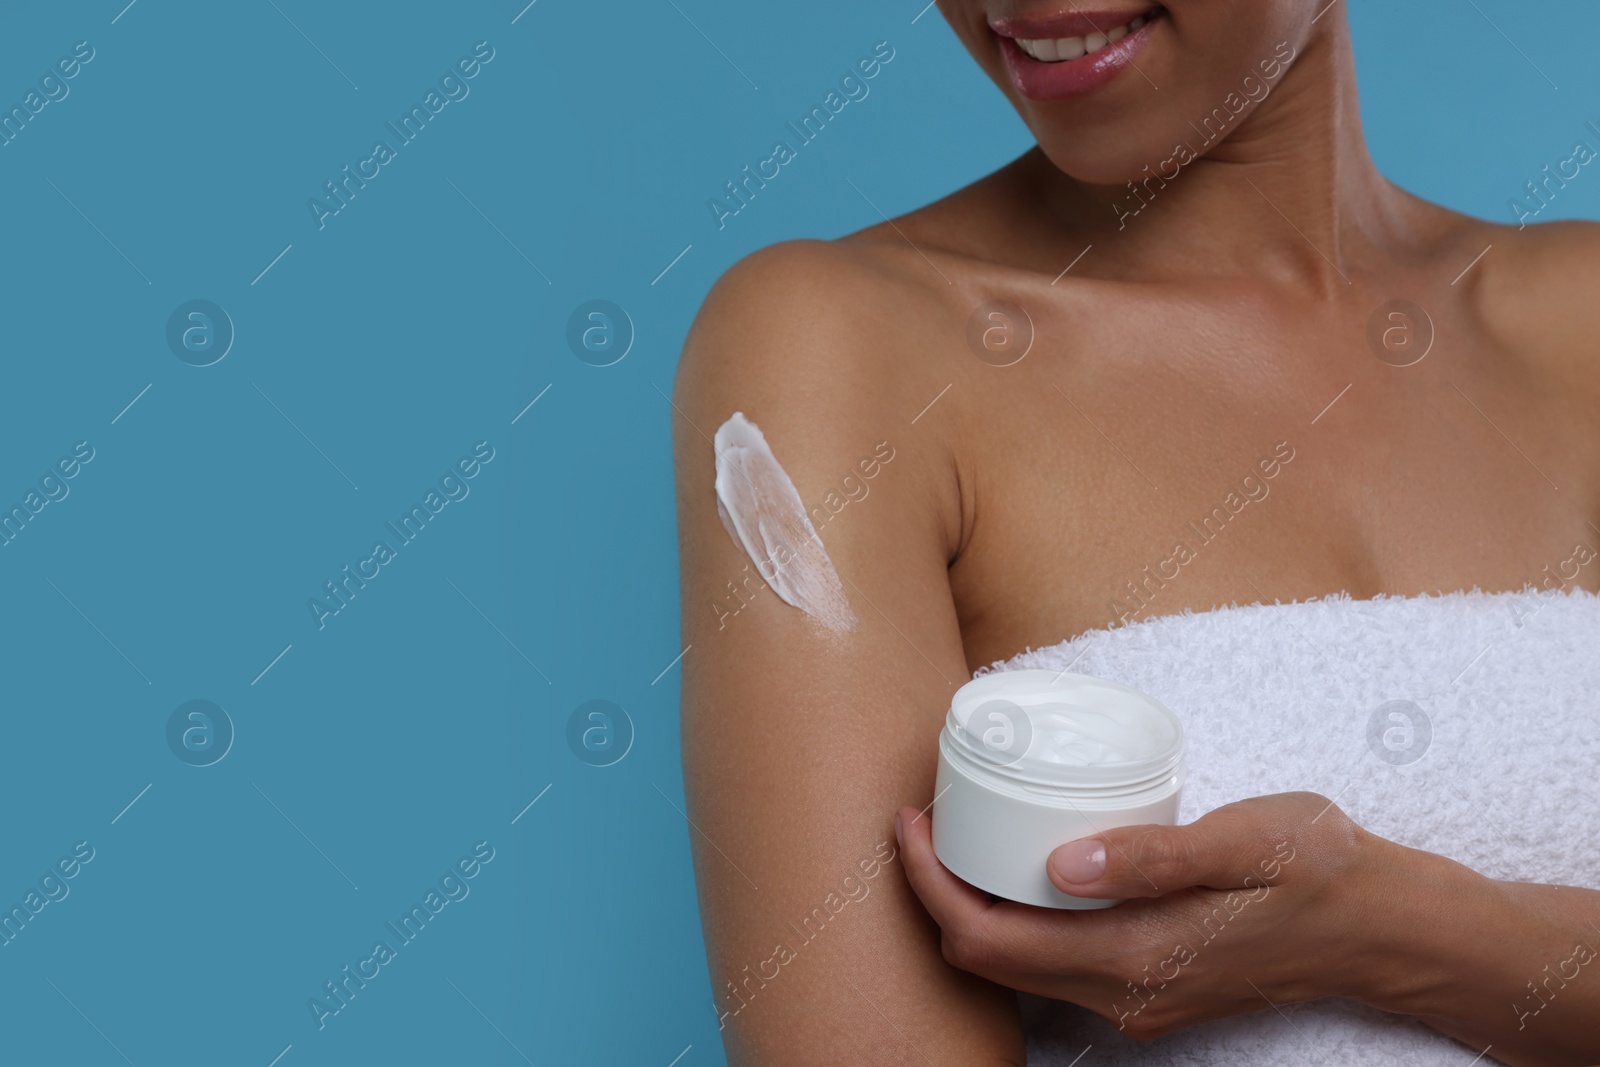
1029	760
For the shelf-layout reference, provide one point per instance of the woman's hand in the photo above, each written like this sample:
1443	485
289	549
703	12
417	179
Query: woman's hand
1263	902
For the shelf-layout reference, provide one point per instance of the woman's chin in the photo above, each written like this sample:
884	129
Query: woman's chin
1116	166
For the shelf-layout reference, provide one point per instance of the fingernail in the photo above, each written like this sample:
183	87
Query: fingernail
898	833
1080	861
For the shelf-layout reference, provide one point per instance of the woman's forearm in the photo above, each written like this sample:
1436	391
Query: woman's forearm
1512	967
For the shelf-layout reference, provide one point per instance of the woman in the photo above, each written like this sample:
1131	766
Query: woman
999	412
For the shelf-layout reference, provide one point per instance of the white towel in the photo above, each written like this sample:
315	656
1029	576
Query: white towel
1276	698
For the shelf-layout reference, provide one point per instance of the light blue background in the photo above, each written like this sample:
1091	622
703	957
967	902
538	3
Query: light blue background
415	724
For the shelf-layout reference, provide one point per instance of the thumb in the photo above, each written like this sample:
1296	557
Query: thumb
1151	861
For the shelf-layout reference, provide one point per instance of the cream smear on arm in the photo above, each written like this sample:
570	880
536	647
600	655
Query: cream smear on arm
762	511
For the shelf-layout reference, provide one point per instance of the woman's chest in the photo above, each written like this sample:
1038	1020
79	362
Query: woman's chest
1230	468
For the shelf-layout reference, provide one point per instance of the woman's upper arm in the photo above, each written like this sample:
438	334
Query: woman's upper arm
799	741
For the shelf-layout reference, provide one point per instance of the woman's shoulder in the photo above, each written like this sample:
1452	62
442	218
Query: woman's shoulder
833	349
824	280
875	302
1537	293
843	327
1541	253
844	279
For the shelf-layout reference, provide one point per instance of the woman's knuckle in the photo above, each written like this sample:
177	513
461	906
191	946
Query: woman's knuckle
964	949
1322	820
950	948
1164	850
976	954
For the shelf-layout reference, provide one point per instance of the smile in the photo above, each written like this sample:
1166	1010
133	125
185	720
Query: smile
1072	53
1063	49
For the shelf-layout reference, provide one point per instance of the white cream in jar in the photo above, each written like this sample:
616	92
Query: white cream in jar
1029	760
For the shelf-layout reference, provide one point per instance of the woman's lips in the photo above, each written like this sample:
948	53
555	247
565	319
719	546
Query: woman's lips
1071	34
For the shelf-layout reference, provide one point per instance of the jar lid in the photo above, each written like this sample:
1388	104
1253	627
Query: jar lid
1062	731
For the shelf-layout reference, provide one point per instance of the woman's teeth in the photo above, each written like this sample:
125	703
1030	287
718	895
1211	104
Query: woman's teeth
1064	48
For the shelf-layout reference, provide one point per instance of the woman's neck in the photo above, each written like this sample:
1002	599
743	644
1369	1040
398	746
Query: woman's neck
1291	191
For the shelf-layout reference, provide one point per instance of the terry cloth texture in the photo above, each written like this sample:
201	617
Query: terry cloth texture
1498	771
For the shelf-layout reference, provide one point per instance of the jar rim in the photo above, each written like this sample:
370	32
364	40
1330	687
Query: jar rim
1005	696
